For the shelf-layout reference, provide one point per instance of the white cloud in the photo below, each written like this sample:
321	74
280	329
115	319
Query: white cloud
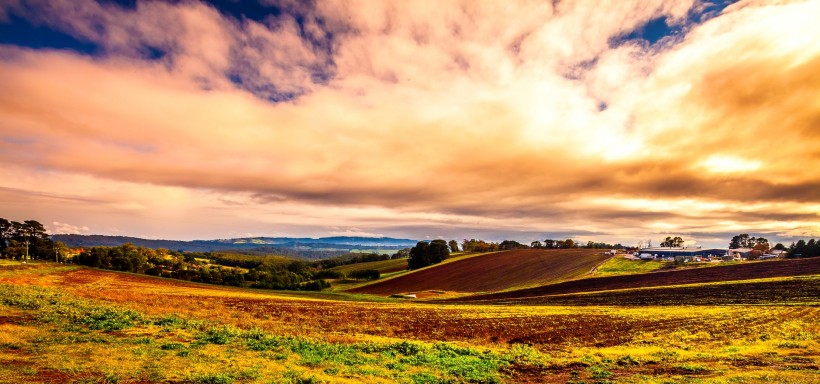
354	232
68	229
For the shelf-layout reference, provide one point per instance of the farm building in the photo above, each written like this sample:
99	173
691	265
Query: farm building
665	252
739	253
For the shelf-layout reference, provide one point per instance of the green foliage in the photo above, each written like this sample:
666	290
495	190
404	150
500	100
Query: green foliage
269	272
621	266
672	242
26	240
745	241
474	245
210	378
511	244
598	372
220	335
425	254
804	248
327	274
69	311
364	274
109	318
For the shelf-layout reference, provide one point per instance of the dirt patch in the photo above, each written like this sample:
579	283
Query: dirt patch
15	319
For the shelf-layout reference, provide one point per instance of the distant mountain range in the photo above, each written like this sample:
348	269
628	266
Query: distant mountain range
337	243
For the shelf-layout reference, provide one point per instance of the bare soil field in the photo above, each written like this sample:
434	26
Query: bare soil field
493	272
754	270
803	290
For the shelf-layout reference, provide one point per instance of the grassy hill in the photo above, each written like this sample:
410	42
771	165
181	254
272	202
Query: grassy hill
622	266
493	272
383	266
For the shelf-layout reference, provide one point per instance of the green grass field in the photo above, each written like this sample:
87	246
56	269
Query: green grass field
621	266
383	266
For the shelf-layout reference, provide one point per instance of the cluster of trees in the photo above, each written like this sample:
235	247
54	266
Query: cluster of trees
804	248
553	244
474	245
364	274
745	241
28	239
213	268
672	242
424	254
511	244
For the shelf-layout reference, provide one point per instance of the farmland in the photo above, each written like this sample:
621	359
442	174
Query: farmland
622	266
675	277
383	266
493	272
68	323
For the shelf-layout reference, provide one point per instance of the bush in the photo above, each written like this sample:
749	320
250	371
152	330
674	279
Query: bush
365	274
327	274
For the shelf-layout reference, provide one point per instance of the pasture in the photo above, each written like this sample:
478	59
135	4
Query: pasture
383	266
622	266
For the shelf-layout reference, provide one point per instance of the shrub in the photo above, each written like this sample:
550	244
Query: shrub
365	274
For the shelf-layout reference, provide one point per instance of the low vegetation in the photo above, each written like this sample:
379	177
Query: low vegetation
623	266
385	266
73	324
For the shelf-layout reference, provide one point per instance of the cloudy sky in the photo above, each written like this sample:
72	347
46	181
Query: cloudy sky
613	121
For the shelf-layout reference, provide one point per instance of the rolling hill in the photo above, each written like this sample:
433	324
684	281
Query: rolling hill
737	272
302	247
493	272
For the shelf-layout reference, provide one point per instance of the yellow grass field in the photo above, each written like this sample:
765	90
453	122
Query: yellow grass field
72	324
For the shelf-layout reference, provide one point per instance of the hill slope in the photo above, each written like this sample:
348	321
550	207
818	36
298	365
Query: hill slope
736	272
493	272
383	266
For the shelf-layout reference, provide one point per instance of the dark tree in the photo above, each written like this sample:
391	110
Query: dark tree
401	254
27	238
364	274
745	241
6	235
424	254
672	242
536	244
453	246
419	255
439	251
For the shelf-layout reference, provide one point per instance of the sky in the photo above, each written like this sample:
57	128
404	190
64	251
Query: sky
619	121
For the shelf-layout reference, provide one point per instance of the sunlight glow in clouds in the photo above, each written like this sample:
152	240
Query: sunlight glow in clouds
407	119
730	164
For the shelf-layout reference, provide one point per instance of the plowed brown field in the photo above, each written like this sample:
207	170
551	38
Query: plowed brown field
494	272
756	270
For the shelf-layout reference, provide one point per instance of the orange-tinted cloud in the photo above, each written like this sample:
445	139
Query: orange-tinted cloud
362	118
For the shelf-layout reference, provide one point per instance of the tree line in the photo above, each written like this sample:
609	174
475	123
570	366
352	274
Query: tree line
26	240
804	248
207	267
